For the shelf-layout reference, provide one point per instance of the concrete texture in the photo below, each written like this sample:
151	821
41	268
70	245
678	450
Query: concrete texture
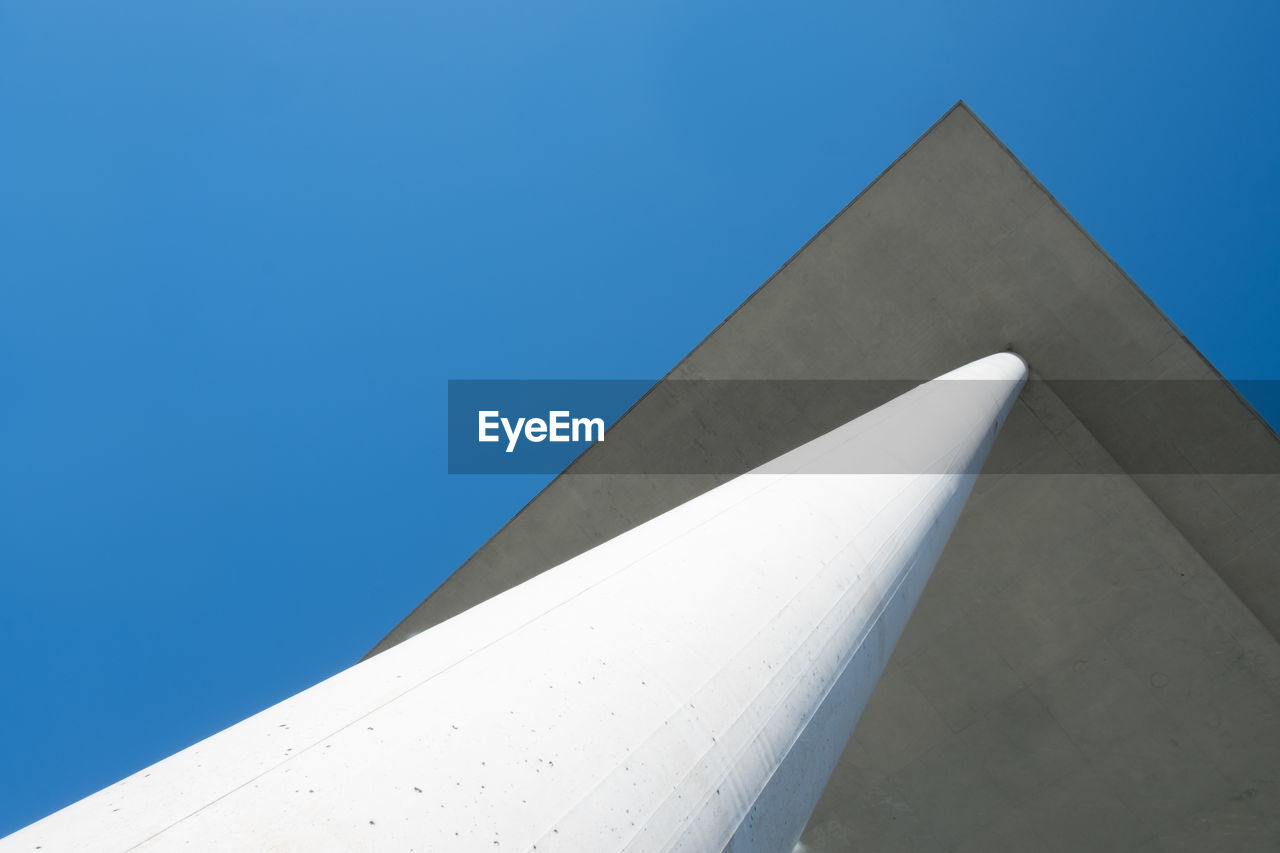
1094	665
1076	677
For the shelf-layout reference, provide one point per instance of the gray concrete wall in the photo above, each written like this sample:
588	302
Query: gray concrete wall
1090	667
1075	678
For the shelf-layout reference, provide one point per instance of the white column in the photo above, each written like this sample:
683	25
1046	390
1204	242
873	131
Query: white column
688	685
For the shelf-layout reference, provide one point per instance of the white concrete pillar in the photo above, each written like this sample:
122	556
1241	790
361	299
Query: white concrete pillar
688	685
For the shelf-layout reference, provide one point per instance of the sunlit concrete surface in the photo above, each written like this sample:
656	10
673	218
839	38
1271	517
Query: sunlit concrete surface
1094	666
688	685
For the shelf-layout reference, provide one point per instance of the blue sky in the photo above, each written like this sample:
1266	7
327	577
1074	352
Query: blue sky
244	245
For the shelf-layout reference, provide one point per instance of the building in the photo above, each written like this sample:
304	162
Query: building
1094	665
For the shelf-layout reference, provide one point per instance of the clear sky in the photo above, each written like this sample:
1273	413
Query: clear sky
244	244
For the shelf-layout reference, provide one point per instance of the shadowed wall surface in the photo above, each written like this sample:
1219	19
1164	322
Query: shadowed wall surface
1094	664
